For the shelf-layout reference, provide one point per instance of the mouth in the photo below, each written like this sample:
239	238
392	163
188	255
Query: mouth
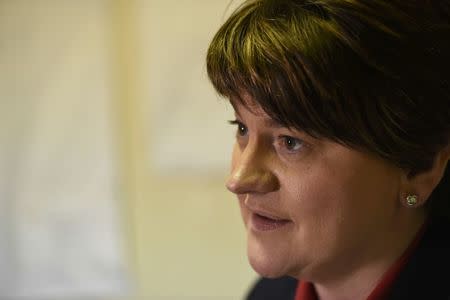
264	222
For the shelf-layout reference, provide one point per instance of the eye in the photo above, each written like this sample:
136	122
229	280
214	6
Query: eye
241	128
290	144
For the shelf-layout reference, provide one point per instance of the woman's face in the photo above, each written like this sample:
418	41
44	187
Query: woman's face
311	207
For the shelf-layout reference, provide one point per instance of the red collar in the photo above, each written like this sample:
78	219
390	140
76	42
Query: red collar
306	291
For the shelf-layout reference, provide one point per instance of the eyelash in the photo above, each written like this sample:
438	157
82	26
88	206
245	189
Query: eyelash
282	141
285	139
239	126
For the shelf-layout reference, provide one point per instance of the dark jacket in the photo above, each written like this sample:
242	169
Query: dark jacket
425	276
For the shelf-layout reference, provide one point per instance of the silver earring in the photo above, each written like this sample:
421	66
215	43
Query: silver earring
411	200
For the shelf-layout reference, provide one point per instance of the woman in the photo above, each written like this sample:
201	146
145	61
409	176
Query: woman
342	144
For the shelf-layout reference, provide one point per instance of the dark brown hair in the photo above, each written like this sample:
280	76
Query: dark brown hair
372	75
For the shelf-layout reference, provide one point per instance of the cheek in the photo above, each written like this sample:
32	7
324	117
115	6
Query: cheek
330	207
316	203
339	199
323	218
309	194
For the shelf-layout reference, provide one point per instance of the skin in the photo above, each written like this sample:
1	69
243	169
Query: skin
348	221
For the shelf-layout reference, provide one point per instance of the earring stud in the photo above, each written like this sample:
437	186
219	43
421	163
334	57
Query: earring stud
411	200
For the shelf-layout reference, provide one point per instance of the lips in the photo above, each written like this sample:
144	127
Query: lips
261	221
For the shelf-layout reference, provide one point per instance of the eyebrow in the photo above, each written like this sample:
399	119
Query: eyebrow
268	122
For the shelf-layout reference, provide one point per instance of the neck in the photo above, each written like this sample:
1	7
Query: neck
358	282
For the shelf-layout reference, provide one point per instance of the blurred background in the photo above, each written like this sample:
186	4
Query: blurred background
114	149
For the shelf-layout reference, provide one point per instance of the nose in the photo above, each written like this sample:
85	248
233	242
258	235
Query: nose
251	171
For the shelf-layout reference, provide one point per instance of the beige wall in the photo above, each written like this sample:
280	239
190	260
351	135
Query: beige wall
59	177
184	237
189	241
185	230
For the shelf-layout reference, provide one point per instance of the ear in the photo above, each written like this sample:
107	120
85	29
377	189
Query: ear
423	183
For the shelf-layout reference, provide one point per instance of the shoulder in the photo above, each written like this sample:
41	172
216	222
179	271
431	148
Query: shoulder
273	289
425	276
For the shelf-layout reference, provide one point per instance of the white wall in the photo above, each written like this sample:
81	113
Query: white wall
105	104
190	225
59	173
186	117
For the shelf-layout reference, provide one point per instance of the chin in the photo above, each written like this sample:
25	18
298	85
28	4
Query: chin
267	262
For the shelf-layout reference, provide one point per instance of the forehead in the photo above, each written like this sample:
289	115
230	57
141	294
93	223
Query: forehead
246	103
249	108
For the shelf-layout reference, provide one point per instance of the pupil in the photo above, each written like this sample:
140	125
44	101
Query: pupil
289	143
